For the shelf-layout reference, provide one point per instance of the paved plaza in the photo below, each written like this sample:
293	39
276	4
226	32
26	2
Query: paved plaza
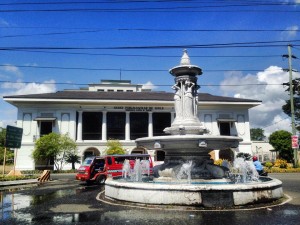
66	201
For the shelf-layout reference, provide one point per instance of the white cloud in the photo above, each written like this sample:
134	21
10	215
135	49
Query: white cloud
31	64
291	32
21	88
3	23
11	69
149	85
8	112
268	115
8	115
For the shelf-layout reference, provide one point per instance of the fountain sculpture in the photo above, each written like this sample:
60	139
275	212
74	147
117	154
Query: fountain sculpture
188	175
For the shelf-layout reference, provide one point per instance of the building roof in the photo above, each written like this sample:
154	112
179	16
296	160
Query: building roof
123	96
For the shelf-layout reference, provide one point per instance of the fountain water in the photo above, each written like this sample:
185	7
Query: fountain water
140	168
186	170
186	148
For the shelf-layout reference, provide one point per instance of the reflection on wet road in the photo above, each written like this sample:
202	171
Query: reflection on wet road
70	202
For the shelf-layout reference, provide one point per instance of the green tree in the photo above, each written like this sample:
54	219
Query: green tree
114	147
257	134
54	147
287	107
281	142
9	154
72	157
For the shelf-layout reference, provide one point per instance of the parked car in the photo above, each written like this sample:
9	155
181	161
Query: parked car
96	169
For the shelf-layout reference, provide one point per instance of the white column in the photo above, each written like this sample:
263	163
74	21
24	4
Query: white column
150	124
172	117
127	127
217	154
104	126
79	126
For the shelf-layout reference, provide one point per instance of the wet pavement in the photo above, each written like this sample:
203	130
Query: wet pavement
67	201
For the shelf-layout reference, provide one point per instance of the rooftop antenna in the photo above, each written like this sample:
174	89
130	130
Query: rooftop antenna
120	74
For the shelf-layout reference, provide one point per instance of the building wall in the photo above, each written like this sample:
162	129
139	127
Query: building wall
67	122
263	151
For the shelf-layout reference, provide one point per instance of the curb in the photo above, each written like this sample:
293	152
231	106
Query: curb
5	184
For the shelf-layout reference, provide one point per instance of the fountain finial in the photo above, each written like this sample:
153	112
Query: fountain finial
185	59
185	67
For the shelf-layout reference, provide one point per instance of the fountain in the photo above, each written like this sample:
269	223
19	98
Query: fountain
188	176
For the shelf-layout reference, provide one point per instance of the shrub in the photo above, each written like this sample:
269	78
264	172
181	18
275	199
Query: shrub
281	163
114	147
268	164
218	162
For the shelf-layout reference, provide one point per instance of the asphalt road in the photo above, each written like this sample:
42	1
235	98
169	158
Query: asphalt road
67	201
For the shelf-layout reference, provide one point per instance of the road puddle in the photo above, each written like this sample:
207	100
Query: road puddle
11	202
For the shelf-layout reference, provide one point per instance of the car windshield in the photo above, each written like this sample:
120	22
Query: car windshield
87	162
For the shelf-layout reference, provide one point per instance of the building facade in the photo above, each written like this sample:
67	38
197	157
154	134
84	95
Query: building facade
123	111
264	151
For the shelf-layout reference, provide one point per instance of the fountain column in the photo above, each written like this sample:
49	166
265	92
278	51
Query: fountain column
104	125
79	126
127	127
150	124
185	98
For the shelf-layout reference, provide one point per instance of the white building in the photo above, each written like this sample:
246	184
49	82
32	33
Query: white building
264	151
119	110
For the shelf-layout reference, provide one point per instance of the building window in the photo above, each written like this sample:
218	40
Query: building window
101	90
129	90
110	90
116	125
91	125
160	155
138	125
119	90
224	128
45	127
160	122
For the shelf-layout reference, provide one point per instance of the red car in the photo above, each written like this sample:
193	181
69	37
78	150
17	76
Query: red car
98	168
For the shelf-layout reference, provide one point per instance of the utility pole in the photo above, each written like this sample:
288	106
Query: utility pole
290	56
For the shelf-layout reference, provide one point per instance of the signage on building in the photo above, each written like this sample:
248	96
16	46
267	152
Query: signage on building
295	141
138	108
13	137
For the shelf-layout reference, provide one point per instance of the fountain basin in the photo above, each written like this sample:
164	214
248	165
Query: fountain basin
190	142
209	193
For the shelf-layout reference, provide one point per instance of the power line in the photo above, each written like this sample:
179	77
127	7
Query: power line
213	45
147	1
276	122
159	85
133	6
164	9
204	4
125	70
146	55
147	30
145	10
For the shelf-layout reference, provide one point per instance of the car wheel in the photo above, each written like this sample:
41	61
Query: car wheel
101	179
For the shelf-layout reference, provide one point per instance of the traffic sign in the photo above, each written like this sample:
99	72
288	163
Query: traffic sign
13	137
295	141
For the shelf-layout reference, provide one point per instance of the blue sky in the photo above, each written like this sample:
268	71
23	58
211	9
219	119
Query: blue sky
132	38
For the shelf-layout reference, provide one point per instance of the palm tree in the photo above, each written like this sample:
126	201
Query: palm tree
72	158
